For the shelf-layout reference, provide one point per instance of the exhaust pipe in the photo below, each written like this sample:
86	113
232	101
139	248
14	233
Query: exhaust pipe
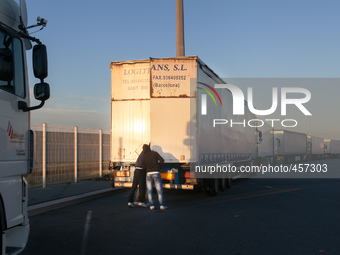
179	29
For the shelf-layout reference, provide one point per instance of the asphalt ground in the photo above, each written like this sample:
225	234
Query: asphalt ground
41	200
256	216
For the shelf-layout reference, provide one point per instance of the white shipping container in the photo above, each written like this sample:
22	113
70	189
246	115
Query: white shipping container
316	145
332	146
157	101
290	143
335	147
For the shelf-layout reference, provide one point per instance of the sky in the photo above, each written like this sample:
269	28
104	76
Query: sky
236	39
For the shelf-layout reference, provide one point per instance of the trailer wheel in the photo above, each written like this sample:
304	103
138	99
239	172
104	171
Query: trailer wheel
222	184
229	182
214	186
211	186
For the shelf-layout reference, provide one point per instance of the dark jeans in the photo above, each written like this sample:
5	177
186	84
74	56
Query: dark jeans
139	178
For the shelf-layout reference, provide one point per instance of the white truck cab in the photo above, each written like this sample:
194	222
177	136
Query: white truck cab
16	138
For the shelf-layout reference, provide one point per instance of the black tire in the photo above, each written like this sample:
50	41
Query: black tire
229	182
1	242
222	184
214	186
112	184
211	186
206	186
2	223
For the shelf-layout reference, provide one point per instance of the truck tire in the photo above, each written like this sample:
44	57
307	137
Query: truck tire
229	182
214	186
211	186
2	222
222	184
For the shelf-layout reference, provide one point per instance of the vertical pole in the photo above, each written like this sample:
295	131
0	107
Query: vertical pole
75	154
179	29
44	156
100	153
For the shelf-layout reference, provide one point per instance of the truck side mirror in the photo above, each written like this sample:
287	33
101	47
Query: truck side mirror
42	91
40	61
278	142
259	135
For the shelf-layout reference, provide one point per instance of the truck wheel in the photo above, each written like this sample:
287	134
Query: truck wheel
206	186
211	186
222	184
112	184
2	223
229	182
214	186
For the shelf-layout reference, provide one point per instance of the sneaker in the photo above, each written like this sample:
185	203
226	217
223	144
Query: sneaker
142	204
163	207
152	207
130	204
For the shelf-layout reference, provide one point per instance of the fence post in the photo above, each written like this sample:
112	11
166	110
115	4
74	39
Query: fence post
44	156
100	153
75	154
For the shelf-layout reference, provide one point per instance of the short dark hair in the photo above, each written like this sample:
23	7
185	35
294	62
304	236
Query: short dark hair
146	147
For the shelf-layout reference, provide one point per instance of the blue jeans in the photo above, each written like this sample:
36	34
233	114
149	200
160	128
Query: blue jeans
156	178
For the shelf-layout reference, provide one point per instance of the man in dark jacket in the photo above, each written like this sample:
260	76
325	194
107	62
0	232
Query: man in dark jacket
138	179
150	162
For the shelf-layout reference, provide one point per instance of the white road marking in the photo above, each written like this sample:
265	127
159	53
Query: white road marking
86	231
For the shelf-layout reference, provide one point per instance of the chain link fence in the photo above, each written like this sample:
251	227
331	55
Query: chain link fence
68	154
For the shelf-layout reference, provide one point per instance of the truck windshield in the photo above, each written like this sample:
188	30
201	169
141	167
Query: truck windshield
12	77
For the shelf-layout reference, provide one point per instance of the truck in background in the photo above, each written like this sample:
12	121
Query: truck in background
316	147
332	147
16	138
290	146
158	101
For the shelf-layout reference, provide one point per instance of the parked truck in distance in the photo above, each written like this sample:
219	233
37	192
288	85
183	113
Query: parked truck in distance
16	138
160	101
332	147
316	147
290	146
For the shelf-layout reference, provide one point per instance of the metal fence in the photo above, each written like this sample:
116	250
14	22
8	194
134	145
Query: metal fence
68	154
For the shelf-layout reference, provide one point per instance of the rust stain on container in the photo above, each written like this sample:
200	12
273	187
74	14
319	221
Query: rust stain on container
130	80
